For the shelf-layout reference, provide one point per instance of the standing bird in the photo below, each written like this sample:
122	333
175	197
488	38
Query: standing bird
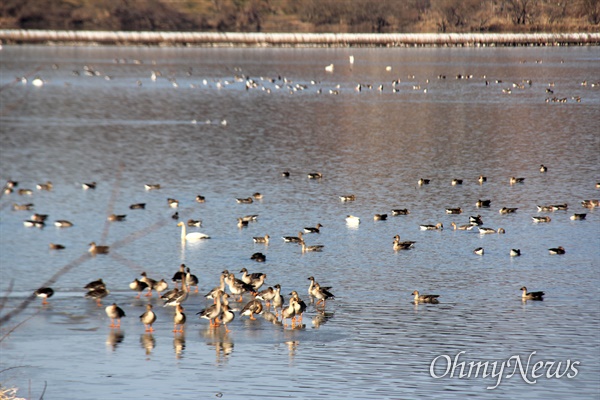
179	276
44	293
159	286
289	312
425	298
531	295
213	312
252	307
148	318
278	299
238	287
299	306
213	293
149	282
267	295
95	285
191	280
138	286
178	319
98	294
322	294
226	316
114	312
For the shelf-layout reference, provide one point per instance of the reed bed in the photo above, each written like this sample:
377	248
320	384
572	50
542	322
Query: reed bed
298	39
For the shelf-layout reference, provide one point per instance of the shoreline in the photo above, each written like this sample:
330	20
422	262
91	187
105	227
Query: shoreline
213	39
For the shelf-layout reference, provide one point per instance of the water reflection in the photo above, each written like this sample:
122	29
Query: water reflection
221	341
179	345
115	337
292	346
148	343
321	318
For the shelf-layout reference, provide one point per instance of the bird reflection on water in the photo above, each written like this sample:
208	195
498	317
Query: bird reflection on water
221	341
148	343
115	337
179	345
321	318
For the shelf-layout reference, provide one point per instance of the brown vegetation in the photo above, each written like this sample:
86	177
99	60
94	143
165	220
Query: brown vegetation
337	16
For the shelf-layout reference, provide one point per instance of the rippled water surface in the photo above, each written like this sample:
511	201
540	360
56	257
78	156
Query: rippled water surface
198	130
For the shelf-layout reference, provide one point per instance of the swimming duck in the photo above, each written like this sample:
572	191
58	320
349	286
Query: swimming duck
194	222
466	227
321	294
514	180
178	319
483	203
45	293
476	220
505	210
425	298
179	276
575	217
149	282
192	236
457	182
556	207
44	186
313	229
261	239
312	248
439	226
293	239
285	174
315	175
152	186
62	223
22	207
200	199
398	245
349	197
352	220
138	286
590	203
250	218
531	295
454	210
557	250
227	316
544	208
37	224
24	192
257	196
138	206
422	182
400	211
247	200
95	249
55	246
380	217
543	168
241	223
98	294
515	252
484	230
479	251
258	257
252	307
482	179
148	318
88	185
212	312
115	217
191	280
93	285
173	203
237	286
213	292
540	219
39	217
114	312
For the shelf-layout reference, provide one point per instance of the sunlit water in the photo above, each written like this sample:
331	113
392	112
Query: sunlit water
371	341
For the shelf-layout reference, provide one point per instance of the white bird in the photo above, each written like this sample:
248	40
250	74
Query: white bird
352	220
192	236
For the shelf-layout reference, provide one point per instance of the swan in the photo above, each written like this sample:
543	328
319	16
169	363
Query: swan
192	236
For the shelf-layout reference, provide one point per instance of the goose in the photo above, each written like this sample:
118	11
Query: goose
44	186
398	245
556	207
250	218
247	200
544	208
115	217
173	203
439	226
543	168
175	297
24	192
178	319
138	286
313	229
540	219
138	206
63	223
278	299
454	210
476	219
98	294
191	280
256	279
531	295
423	181
93	285
299	306
515	252
212	312
479	251
194	222
576	217
261	239
590	203
95	249
349	197
425	298
213	292
148	318
466	227
315	175
380	217
506	210
312	248
22	207
114	312
227	316
257	196
400	211
39	217
55	246
514	180
45	293
149	282
289	311
159	286
192	236
352	220
557	250
152	186
457	182
237	286
241	223
321	294
88	185
311	287
484	231
482	179
483	203
200	199
179	276
252	307
293	239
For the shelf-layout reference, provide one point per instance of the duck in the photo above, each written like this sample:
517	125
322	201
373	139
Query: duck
39	217
137	206
173	203
479	251
278	299
556	207
88	185
98	294
557	250
212	312
241	223
200	199
531	295
179	276
352	220
425	298
56	246
258	257
482	179
179	319
22	207
476	220
261	239
312	248
514	180
439	226
194	222
152	186
423	181
543	168
176	296
93	285
483	203
192	236
63	223
149	283
44	186
315	175
506	210
576	217
148	318
313	229
138	286
256	279
191	280
252	307
95	249
590	203
238	287
116	217
34	224
380	217
213	292
321	294
115	313
257	196
45	293
466	227
457	182
289	311
299	305
23	192
285	174
250	218
293	239
515	252
454	210
398	245
544	208
349	197
400	211
484	231
227	316
247	200
538	219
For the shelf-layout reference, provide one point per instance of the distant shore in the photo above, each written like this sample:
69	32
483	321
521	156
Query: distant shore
212	39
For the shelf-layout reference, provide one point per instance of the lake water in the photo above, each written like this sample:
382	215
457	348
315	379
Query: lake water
197	130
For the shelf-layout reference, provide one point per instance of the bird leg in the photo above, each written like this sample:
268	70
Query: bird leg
240	299
252	317
149	294
99	302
